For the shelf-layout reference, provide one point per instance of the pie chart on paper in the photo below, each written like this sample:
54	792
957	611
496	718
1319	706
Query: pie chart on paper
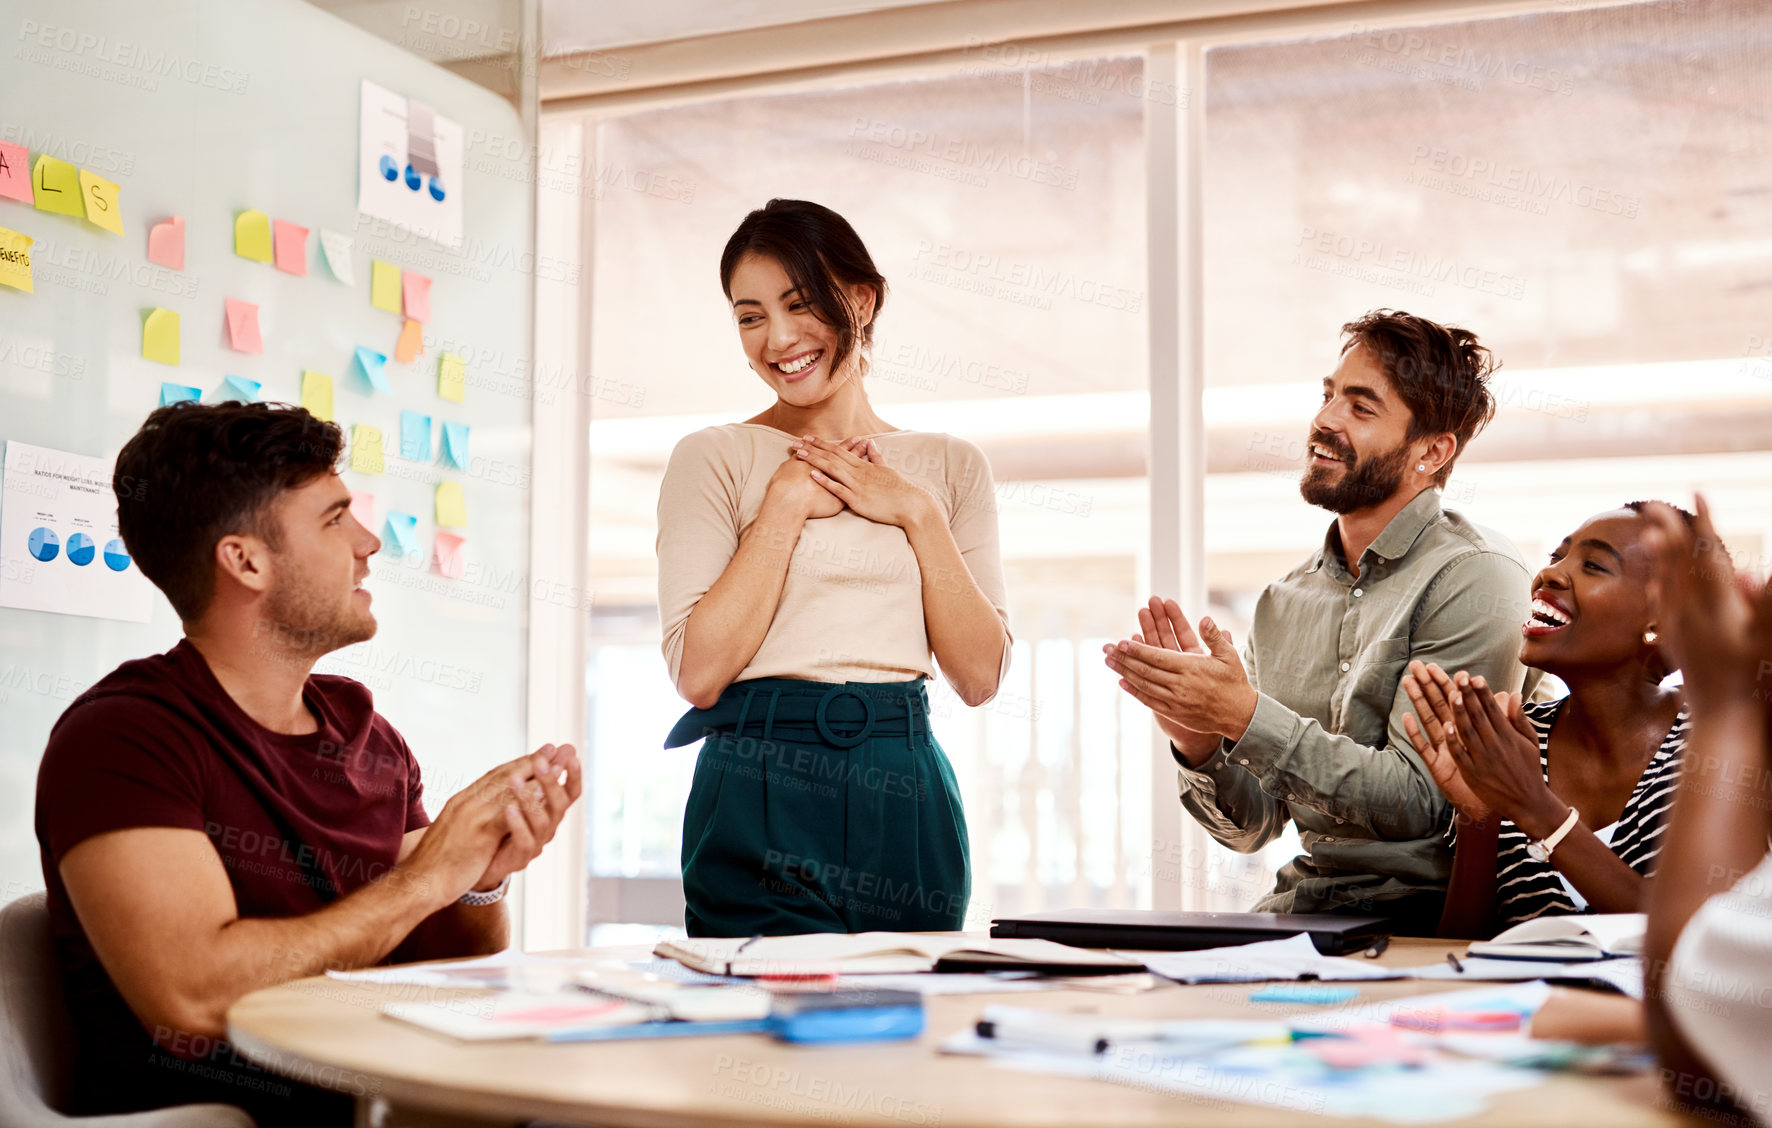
44	544
80	549
116	555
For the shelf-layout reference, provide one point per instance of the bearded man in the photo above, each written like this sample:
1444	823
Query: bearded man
1306	727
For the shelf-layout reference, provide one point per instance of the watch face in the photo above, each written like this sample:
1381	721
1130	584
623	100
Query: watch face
1537	852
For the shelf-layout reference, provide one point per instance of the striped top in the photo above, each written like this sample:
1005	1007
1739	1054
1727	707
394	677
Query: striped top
1528	889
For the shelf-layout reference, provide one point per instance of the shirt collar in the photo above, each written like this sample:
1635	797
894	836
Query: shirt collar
1397	539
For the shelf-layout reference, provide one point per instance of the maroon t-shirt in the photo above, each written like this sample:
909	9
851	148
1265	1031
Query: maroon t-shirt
299	821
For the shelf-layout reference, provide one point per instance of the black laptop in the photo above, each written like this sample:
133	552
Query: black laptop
1153	930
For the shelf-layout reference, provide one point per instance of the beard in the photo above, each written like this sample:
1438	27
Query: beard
1364	482
302	625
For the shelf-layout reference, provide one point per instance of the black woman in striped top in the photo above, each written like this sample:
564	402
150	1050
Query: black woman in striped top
1560	805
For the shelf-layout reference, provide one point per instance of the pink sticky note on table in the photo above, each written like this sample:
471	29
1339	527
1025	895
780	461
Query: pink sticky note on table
449	557
363	508
292	247
166	243
15	173
417	290
243	326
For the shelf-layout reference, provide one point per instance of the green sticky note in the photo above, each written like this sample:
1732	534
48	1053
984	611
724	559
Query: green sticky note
452	506
384	286
316	395
252	236
56	185
160	336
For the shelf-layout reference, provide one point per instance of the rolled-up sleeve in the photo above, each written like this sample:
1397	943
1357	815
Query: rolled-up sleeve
1469	620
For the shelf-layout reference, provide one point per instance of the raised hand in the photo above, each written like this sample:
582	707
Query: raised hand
1162	625
1205	693
1714	623
540	802
867	485
1497	756
1434	733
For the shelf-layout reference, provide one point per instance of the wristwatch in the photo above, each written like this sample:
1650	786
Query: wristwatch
490	897
1539	850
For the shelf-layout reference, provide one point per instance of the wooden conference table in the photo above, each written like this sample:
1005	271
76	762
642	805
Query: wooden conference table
331	1030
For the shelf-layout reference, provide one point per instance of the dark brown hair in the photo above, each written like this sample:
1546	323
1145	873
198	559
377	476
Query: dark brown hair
196	473
1440	372
821	254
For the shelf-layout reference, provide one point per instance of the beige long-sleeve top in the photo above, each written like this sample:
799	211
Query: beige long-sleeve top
852	605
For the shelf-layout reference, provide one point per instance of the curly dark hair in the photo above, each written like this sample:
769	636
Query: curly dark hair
1440	372
821	254
195	473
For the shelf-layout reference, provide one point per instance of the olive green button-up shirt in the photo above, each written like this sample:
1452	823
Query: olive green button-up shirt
1326	748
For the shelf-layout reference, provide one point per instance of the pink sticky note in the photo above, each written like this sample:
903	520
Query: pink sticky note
292	247
15	173
243	326
363	508
417	289
449	557
166	243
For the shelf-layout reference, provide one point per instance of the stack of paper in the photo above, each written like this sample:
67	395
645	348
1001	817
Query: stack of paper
1292	958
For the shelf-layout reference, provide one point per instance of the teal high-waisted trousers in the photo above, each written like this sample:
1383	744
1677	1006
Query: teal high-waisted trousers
820	807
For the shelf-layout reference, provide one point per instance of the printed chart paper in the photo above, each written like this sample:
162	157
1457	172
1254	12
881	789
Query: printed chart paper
59	548
409	166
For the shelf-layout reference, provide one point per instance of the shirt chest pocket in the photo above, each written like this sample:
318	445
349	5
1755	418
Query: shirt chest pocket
1370	687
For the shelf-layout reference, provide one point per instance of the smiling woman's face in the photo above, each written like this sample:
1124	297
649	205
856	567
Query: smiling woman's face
1590	604
785	342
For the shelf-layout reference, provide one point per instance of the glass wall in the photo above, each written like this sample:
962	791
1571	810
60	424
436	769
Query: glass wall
1586	189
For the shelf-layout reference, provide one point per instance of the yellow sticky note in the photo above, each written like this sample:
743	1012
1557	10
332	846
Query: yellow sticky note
316	394
160	336
101	202
452	377
57	186
366	449
252	236
384	286
15	260
452	506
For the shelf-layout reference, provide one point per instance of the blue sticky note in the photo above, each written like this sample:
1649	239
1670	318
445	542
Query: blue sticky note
178	393
375	369
455	445
1298	993
415	436
240	388
403	532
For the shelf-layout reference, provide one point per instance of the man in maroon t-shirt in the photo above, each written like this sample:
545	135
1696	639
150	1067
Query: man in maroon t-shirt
217	818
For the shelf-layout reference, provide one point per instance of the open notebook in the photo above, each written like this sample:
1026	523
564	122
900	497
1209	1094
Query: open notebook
835	953
1596	936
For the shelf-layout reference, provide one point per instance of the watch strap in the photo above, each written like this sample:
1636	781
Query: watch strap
490	897
1541	849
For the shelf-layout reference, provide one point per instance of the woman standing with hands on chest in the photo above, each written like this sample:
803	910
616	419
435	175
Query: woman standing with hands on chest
815	564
